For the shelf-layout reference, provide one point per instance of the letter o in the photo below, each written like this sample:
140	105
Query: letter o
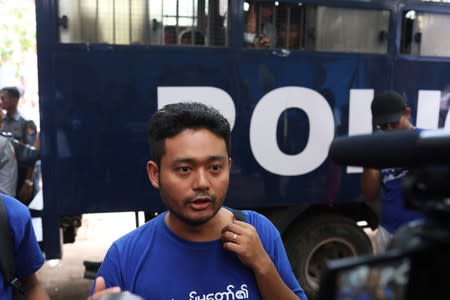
263	129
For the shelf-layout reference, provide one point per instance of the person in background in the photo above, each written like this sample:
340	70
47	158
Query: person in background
266	37
290	29
8	163
198	248
274	26
170	35
389	113
14	123
32	139
8	167
191	36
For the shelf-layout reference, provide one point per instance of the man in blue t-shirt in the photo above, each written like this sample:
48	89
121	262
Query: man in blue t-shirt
197	249
28	255
389	113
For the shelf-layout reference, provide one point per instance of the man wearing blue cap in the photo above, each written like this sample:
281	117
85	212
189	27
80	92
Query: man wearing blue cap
389	113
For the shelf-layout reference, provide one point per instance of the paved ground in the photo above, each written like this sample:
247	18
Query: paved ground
63	279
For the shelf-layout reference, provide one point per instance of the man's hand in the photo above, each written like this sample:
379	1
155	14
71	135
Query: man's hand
100	289
262	42
33	289
25	193
241	238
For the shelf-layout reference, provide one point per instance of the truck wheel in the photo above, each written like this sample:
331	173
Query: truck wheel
315	240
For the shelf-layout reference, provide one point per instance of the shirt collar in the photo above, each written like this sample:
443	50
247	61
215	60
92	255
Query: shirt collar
15	116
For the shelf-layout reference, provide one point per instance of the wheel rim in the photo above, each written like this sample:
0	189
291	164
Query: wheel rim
332	248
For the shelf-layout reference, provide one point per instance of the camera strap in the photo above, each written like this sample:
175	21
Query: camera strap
7	261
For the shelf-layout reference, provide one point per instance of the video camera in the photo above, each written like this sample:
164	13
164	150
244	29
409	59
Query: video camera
26	155
417	262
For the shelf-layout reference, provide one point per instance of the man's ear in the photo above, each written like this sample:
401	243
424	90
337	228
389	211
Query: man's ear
153	173
407	112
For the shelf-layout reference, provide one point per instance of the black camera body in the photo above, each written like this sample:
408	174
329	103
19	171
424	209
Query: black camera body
417	262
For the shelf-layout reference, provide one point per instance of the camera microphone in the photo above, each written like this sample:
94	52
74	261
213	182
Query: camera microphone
407	148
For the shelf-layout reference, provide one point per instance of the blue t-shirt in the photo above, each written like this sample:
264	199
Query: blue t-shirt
393	211
28	255
154	263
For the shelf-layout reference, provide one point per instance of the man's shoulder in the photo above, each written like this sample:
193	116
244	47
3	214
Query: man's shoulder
141	233
254	216
13	203
267	231
16	117
17	211
258	220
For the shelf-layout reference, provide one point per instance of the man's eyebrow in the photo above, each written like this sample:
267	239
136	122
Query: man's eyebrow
182	160
188	160
218	157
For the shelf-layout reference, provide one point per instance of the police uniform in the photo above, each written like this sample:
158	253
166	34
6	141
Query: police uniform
8	166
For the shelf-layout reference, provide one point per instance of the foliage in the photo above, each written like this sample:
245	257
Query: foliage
17	31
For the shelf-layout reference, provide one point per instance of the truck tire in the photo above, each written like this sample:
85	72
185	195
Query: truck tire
317	239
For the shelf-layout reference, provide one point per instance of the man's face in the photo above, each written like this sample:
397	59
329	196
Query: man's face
193	176
292	35
7	101
402	124
266	12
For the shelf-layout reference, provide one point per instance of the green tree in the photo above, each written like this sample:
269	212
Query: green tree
17	31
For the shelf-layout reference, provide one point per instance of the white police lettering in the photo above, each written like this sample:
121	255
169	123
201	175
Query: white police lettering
265	117
263	131
208	95
428	106
359	116
230	294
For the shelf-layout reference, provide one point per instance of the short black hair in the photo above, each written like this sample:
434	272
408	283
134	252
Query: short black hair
174	118
387	107
12	91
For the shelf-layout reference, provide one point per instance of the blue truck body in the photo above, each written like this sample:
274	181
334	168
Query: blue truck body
96	100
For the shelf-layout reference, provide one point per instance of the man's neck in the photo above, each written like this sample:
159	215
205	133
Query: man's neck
209	231
11	112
